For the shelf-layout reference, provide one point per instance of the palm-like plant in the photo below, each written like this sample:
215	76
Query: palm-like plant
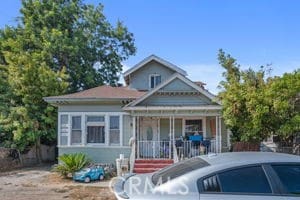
70	163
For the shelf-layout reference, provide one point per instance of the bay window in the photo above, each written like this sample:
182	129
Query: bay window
82	128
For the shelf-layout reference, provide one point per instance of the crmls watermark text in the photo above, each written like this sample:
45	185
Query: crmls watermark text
142	186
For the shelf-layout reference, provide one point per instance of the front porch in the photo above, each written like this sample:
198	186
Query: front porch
176	137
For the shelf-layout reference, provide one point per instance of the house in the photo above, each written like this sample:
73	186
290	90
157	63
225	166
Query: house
162	114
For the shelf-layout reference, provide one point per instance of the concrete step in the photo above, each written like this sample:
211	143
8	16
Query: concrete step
145	170
149	166
168	161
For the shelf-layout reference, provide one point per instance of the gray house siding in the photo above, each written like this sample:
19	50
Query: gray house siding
140	79
174	100
177	85
98	155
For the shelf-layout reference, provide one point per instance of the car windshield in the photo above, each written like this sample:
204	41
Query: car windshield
177	170
85	170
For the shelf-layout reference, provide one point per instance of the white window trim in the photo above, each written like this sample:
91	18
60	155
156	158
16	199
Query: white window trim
70	129
153	75
95	124
120	129
203	119
84	128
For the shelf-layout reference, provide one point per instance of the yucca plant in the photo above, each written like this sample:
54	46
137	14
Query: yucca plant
70	163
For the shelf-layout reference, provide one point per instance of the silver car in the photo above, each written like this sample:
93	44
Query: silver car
243	175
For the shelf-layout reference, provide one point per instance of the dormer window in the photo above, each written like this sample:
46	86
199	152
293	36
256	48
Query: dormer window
154	80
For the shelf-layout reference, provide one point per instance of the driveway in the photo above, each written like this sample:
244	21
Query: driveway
41	183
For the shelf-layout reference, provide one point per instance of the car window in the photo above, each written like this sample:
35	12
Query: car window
211	184
178	169
244	180
289	176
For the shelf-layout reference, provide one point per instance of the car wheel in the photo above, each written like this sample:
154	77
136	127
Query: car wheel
87	179
101	177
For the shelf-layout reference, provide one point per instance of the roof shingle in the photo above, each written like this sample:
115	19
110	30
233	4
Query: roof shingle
103	92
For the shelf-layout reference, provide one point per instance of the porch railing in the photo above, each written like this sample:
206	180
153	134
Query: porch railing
154	150
189	149
177	150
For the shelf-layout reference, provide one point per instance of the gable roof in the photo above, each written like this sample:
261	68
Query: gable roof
101	92
173	77
157	59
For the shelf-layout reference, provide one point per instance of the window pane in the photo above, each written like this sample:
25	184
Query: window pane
114	122
63	140
245	180
64	129
114	136
157	80
211	184
152	82
64	119
76	137
290	177
95	118
76	122
95	134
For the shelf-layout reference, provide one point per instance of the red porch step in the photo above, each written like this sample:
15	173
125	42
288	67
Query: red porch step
149	166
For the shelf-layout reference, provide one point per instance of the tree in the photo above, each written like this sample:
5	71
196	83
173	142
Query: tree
52	51
79	37
256	106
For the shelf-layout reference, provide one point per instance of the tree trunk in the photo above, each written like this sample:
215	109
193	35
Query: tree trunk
38	150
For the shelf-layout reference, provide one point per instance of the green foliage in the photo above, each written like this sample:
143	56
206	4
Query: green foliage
70	163
77	36
53	50
254	106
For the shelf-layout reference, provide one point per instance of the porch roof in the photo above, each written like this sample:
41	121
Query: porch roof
173	108
179	111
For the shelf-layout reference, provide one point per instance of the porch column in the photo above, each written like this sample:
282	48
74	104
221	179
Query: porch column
170	135
220	134
135	132
134	127
217	135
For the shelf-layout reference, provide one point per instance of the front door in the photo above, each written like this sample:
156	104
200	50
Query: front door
149	138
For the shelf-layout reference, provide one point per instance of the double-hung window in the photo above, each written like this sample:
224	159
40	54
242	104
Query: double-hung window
95	126
114	130
154	80
76	132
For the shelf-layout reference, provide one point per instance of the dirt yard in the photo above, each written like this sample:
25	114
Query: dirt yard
41	183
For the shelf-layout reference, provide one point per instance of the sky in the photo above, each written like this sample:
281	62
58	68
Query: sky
190	33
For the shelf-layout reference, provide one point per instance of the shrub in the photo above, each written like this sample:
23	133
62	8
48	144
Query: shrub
70	163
